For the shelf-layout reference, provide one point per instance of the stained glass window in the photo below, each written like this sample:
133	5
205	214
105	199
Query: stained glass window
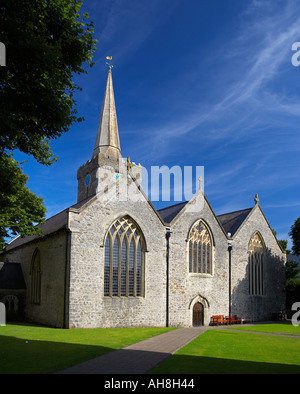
200	249
256	265
124	259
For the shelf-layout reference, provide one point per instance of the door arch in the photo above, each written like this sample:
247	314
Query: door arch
198	314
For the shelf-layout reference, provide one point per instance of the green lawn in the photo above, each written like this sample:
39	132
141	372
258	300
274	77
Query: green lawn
29	349
224	351
26	349
284	328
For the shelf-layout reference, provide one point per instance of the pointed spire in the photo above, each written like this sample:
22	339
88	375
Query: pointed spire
107	141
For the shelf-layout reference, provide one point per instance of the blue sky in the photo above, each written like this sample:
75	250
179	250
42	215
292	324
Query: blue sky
196	83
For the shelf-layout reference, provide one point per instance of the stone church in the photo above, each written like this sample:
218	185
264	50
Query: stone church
113	260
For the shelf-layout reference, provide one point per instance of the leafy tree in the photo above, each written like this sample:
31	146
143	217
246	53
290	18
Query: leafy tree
20	209
295	235
47	42
292	268
283	243
292	272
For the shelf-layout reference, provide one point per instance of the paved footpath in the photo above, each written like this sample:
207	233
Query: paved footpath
140	357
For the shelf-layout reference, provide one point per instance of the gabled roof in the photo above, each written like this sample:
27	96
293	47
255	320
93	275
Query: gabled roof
169	213
230	221
51	225
233	220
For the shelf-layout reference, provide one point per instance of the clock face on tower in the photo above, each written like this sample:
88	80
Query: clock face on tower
87	180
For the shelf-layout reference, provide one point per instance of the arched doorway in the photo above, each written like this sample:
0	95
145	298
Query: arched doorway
197	314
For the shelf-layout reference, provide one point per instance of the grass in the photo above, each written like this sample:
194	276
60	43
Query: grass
228	352
277	328
31	349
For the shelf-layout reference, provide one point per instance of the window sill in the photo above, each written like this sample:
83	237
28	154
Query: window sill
257	295
200	275
126	297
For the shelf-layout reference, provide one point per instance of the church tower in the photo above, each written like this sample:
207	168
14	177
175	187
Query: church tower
106	163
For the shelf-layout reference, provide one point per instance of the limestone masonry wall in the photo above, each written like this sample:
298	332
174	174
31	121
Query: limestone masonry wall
88	305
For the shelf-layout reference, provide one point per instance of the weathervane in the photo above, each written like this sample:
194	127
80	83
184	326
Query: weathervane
109	58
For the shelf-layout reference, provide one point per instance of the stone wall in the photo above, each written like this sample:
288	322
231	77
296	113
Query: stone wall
78	301
52	251
96	175
213	290
88	305
257	307
187	288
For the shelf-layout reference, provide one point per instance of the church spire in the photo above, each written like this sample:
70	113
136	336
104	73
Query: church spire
107	141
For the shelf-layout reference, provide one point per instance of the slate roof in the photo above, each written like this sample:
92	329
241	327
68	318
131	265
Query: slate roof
169	213
230	221
11	276
233	220
51	225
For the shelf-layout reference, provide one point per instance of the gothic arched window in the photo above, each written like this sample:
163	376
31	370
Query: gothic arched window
35	272
124	259
256	263
200	249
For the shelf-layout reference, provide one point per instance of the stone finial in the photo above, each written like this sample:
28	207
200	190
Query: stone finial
256	199
129	164
200	179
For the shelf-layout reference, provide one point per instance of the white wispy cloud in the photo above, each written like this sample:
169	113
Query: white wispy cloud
258	56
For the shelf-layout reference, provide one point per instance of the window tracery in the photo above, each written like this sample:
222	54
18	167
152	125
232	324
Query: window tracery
124	259
200	249
256	263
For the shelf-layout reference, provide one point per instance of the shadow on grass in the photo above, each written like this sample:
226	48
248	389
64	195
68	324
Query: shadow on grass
20	356
126	361
180	364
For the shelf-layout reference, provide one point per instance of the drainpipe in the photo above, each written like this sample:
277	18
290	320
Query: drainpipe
229	284
67	280
168	235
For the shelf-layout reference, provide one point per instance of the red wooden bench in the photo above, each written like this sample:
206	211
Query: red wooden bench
218	319
233	319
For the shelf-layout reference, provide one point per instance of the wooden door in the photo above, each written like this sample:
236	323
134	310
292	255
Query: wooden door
198	315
